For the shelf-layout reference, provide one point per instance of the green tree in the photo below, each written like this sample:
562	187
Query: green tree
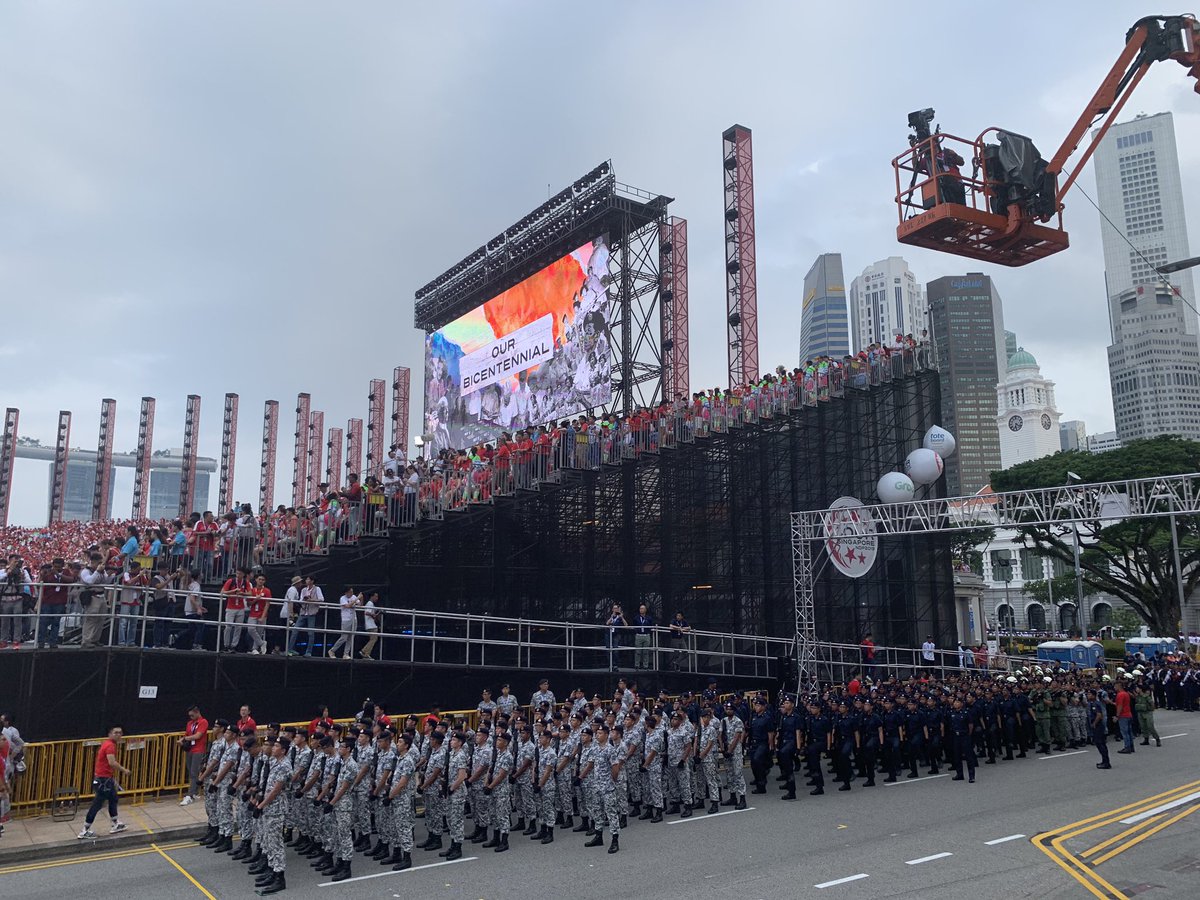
964	546
1131	559
1058	589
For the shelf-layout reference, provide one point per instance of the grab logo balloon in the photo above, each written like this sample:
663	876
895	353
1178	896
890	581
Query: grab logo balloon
940	441
923	466
895	487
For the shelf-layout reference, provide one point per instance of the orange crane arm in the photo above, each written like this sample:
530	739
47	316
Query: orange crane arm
1152	39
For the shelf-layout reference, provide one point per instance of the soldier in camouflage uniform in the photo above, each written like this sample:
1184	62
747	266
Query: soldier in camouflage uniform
570	792
709	744
456	787
631	763
1041	710
599	770
231	764
526	800
679	779
1058	719
652	762
384	759
431	788
271	811
360	792
500	792
620	752
400	800
325	821
481	803
732	733
208	777
342	801
1077	720
544	786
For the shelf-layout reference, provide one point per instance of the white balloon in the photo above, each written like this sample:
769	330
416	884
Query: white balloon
895	487
923	466
940	441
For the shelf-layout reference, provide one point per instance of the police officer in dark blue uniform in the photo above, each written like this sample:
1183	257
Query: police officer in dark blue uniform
787	737
917	744
961	730
762	742
935	721
1010	722
845	744
893	739
818	739
870	730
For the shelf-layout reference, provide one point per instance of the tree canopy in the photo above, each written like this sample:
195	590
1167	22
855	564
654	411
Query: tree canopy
1132	559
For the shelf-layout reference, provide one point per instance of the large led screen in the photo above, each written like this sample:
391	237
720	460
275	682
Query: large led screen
536	353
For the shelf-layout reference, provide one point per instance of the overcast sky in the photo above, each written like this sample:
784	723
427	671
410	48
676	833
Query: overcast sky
230	196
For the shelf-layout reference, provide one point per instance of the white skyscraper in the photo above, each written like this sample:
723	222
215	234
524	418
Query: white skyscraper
1139	190
885	300
1025	412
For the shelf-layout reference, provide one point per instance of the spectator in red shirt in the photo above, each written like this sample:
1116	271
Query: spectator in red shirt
235	590
194	743
105	771
260	603
56	580
1125	718
245	721
204	534
321	719
854	687
868	656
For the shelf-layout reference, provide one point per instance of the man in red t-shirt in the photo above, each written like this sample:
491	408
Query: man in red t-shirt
194	743
256	619
104	782
244	720
1125	718
235	590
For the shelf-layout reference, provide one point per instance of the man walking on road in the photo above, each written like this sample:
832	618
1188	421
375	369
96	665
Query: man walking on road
105	784
1125	718
195	744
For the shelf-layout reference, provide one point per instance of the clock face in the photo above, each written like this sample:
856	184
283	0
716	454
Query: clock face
1045	421
1015	423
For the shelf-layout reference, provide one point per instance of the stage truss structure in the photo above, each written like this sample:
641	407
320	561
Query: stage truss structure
8	456
229	422
266	469
1068	506
316	440
145	452
741	279
300	457
187	467
401	380
101	508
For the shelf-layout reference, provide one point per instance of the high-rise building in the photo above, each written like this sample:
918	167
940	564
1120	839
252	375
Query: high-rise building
163	500
1154	366
1072	435
1141	201
1026	418
885	300
1103	441
968	330
824	330
80	487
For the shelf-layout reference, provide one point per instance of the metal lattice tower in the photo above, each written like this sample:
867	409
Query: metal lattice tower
316	438
300	459
187	470
228	453
354	430
741	292
58	478
401	378
266	477
673	295
101	509
333	468
375	433
145	451
8	454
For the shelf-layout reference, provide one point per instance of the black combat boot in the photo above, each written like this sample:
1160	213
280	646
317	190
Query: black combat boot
223	846
264	879
455	851
434	842
502	844
583	825
532	827
548	837
259	867
344	872
493	841
276	885
333	866
404	863
382	851
647	813
211	836
596	841
791	791
741	801
657	817
615	846
520	824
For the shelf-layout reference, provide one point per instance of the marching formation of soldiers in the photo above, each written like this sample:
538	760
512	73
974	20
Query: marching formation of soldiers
588	766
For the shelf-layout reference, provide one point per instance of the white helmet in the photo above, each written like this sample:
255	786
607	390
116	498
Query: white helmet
1011	679
1107	678
1120	668
1047	679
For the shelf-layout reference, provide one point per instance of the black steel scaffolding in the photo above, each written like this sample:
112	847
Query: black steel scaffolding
703	529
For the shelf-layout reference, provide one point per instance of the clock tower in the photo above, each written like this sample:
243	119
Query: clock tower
1026	416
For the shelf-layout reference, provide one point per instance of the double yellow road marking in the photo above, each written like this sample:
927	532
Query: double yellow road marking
93	857
1081	868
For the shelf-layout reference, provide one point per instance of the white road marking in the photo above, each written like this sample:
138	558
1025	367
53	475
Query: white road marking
1169	736
1061	755
1003	840
448	862
1181	801
915	780
838	881
696	818
925	859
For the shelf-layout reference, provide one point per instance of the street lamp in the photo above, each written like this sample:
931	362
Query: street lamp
1179	266
1079	612
1006	564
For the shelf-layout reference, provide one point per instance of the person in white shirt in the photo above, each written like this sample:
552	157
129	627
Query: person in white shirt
290	608
348	602
311	599
927	652
371	617
193	611
93	599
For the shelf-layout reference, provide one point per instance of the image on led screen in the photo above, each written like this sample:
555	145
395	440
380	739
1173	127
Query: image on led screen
534	354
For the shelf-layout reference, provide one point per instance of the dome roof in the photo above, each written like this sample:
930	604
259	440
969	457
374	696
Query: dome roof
1022	359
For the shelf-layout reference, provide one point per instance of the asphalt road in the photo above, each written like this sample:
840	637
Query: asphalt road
929	838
